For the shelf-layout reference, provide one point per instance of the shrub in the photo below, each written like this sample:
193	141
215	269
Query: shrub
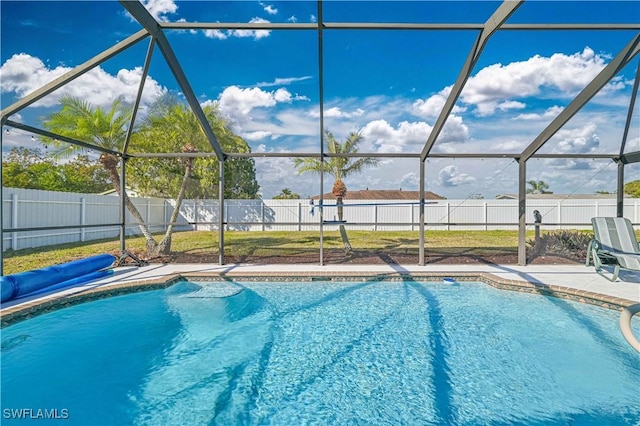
571	244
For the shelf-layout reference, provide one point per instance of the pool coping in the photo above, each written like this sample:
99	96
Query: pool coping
30	309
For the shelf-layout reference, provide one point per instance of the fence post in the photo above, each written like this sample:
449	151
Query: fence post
375	217
195	214
485	214
83	217
165	204
299	216
412	216
14	221
559	215
262	214
148	211
448	216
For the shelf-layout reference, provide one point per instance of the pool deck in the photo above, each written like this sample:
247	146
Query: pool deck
577	282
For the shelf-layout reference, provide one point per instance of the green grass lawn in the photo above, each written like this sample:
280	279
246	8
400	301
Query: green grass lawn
266	243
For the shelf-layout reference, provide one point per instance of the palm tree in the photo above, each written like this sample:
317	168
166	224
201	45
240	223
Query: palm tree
286	194
538	187
339	168
172	126
106	129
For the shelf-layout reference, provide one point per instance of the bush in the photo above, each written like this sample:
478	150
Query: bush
571	244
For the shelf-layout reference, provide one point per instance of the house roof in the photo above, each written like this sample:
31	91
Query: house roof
383	194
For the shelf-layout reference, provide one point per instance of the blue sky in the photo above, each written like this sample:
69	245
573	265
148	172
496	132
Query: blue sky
389	85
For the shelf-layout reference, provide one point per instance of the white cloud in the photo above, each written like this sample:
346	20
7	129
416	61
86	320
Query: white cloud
282	95
510	146
219	34
501	88
337	112
23	73
577	140
234	100
292	18
383	137
551	112
257	135
454	130
508	105
254	113
225	34
410	180
269	8
313	18
432	106
159	9
283	81
563	75
449	176
633	144
255	34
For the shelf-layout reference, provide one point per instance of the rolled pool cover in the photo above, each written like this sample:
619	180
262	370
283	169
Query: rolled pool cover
73	281
17	285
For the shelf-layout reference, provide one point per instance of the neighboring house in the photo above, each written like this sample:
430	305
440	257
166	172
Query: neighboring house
383	194
558	196
130	192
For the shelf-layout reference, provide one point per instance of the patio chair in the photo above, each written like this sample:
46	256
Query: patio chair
614	243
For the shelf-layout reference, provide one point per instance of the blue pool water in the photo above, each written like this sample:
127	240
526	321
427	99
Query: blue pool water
370	353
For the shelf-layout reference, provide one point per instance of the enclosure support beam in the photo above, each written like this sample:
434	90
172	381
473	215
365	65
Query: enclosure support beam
1	211
522	212
321	101
506	9
607	73
142	15
51	135
421	227
632	103
136	105
364	154
73	74
620	191
123	210
625	135
221	218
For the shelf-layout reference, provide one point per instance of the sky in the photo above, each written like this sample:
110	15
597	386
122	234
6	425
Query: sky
389	85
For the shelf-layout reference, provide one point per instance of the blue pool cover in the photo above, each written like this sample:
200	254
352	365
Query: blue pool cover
24	283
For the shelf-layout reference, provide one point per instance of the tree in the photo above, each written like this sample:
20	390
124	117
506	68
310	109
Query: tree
339	168
538	187
286	194
632	189
80	120
31	169
171	126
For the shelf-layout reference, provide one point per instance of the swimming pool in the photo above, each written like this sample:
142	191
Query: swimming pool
403	352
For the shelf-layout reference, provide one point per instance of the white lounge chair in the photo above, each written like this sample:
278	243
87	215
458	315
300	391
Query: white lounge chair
614	243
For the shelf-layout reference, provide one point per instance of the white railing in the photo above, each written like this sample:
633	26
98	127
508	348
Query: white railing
78	217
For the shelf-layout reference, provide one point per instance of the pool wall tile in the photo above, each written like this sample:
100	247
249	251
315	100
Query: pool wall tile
23	311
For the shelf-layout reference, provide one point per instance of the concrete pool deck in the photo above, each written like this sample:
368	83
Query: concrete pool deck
576	282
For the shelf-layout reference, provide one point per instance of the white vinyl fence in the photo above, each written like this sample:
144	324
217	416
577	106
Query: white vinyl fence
85	217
